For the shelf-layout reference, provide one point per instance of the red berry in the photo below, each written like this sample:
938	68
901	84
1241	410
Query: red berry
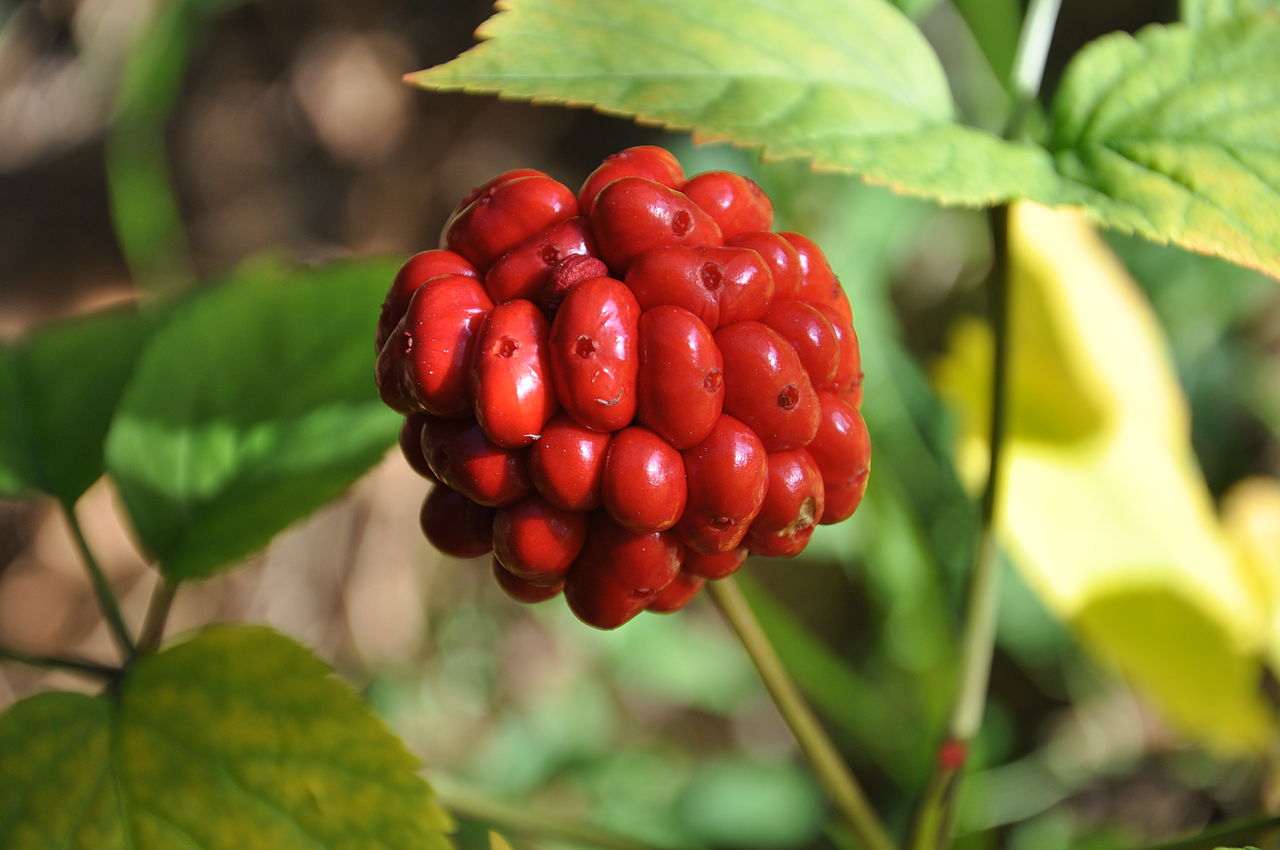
504	215
536	541
456	525
411	445
634	215
676	595
463	458
511	374
490	184
567	464
718	285
842	447
843	500
423	365
820	282
521	590
765	387
727	477
680	385
567	274
736	203
525	270
779	255
848	378
644	486
714	566
593	353
793	505
619	572
647	161
812	336
416	271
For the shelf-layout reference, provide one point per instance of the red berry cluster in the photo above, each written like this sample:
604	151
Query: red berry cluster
622	392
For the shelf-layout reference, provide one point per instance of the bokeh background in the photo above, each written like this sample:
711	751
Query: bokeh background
283	127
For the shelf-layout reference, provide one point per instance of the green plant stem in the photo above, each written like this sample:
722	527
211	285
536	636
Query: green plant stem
58	662
1232	832
101	588
157	615
935	815
527	820
828	766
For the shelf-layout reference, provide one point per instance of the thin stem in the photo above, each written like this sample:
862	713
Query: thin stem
935	815
527	820
59	662
157	615
830	769
101	587
1232	832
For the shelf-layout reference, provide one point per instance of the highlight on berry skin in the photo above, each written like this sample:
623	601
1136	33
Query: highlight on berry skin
618	393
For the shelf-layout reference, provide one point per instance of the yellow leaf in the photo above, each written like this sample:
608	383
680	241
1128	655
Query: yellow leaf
1251	517
1104	509
497	842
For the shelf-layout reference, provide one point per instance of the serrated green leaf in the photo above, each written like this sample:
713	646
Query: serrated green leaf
235	740
1205	13
1176	134
850	84
58	390
252	407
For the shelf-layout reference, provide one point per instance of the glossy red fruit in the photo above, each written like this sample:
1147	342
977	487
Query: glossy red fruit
714	566
634	215
793	505
504	215
423	365
644	486
718	285
680	385
537	541
489	185
521	590
779	255
819	281
566	275
463	458
736	203
416	271
593	354
843	500
765	387
411	445
618	572
848	378
456	525
647	161
525	270
566	464
812	336
511	374
842	447
678	594
727	476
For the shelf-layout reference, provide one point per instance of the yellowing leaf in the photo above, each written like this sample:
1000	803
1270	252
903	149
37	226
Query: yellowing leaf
1251	516
1106	514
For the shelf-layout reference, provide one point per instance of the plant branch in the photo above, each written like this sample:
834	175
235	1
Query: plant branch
935	815
58	662
828	766
527	820
157	615
101	588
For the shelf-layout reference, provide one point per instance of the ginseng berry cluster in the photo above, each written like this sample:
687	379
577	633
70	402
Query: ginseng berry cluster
622	392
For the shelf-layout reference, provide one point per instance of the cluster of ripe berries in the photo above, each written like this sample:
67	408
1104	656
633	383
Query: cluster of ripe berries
621	392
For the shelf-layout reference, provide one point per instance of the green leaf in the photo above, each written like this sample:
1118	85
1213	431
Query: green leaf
850	84
252	407
1204	13
237	739
1175	134
58	390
